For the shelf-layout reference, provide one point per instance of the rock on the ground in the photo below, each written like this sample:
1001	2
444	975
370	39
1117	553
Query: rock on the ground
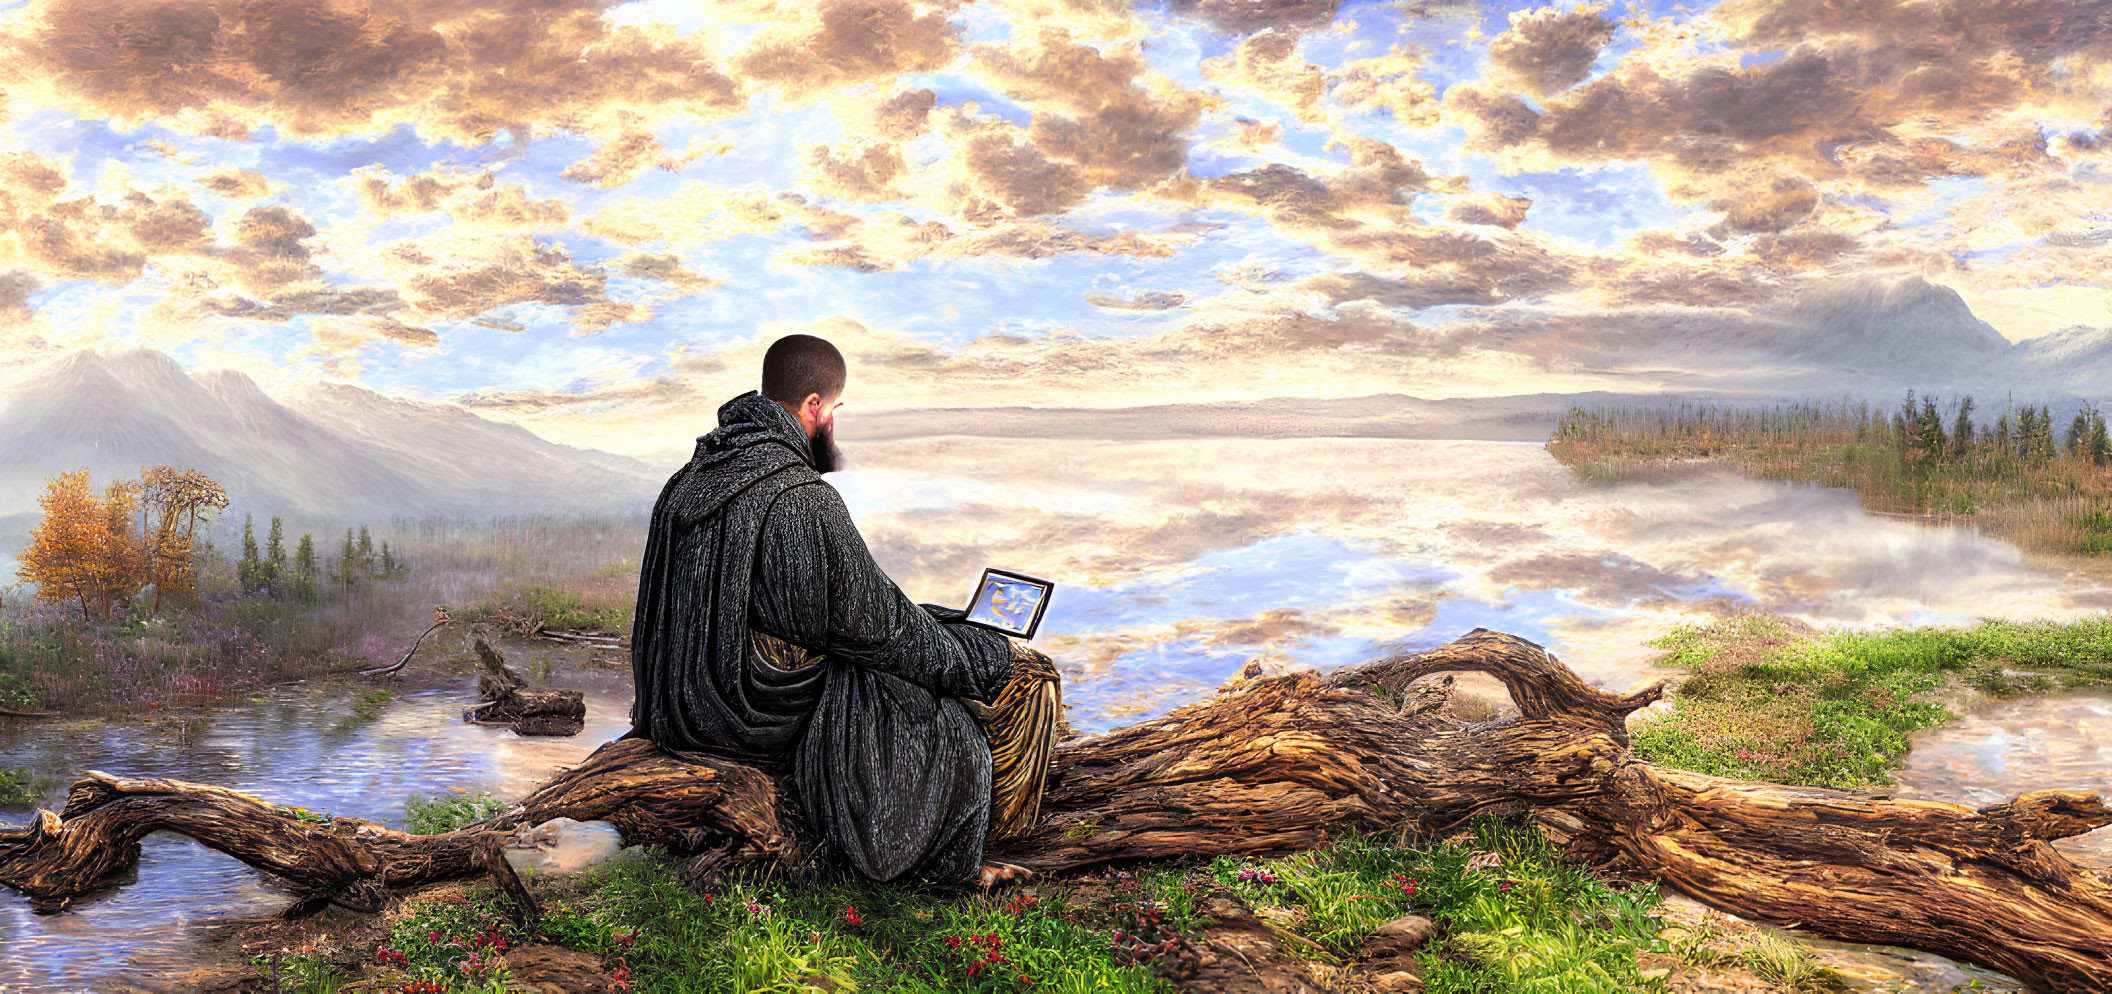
1401	937
557	970
1241	954
1400	981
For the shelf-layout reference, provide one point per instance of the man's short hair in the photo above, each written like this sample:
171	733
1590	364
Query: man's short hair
798	365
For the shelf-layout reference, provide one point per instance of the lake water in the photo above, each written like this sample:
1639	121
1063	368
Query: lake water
1175	564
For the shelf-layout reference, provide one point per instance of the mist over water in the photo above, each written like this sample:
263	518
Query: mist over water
1175	564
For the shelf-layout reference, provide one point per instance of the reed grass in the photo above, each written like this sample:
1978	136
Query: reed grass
230	643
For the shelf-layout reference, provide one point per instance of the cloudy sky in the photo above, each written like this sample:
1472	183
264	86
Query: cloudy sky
588	218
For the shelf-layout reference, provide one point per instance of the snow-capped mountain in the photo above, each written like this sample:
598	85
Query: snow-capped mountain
1904	327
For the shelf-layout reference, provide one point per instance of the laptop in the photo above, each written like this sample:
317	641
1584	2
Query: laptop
1009	602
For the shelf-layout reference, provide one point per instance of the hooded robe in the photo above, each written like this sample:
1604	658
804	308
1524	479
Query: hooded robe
886	760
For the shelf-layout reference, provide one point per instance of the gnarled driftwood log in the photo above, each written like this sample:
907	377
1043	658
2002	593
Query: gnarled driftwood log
1271	768
508	702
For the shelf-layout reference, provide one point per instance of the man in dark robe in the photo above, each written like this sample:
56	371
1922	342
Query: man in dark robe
765	631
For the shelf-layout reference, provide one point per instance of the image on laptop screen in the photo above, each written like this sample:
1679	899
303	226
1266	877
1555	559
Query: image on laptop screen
1009	602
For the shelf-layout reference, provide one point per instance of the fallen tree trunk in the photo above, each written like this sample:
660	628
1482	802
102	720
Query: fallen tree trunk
1268	768
508	702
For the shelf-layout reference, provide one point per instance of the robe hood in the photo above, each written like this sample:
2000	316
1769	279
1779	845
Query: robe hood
756	438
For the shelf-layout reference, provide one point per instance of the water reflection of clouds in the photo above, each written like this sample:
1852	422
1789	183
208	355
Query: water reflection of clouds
1998	749
1178	561
294	745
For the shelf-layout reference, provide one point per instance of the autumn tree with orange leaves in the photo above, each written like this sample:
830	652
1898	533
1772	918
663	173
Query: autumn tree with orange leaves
100	552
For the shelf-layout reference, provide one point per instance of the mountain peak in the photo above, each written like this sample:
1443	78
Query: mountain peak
354	452
1902	324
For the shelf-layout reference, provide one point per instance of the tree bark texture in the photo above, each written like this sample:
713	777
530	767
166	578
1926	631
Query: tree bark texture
1266	767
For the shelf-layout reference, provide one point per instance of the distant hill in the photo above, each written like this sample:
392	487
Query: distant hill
1523	418
335	451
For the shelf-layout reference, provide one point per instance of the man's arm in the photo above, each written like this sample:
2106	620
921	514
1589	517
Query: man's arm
818	587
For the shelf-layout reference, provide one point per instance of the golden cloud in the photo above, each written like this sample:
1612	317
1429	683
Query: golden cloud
15	288
1266	64
1386	81
475	198
862	172
848	42
897	116
460	275
237	184
1245	16
454	70
666	268
1549	50
622	156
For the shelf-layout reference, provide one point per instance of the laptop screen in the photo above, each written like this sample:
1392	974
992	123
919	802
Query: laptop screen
1009	602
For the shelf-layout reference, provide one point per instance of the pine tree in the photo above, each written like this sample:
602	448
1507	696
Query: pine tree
2078	433
389	565
347	562
1928	429
274	565
250	571
304	569
2100	445
1962	429
1903	424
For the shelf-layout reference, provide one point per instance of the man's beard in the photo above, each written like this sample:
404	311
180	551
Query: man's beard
827	457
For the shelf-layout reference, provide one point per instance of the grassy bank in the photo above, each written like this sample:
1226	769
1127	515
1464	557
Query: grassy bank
1510	915
2027	475
1769	698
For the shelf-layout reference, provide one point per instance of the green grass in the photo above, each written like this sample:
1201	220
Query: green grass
22	787
299	972
1511	915
527	607
439	815
1770	700
763	934
15	693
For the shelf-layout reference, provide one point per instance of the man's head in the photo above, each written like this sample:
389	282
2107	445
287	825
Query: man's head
806	375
